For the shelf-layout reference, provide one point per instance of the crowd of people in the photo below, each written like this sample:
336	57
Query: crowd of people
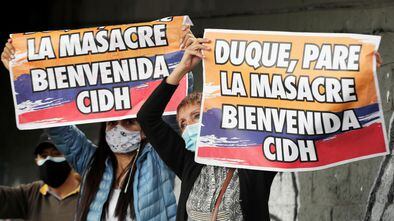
129	174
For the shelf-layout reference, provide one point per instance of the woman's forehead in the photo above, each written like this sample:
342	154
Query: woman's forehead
186	111
190	108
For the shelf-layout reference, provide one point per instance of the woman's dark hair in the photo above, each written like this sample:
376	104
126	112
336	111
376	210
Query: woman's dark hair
93	178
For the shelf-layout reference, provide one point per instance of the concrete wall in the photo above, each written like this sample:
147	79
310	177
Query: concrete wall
358	191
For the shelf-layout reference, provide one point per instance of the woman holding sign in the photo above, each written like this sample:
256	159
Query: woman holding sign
207	192
123	177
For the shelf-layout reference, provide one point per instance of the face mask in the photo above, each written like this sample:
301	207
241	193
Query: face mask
190	135
121	140
54	171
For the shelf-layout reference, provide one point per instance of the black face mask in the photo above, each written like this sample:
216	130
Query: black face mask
54	173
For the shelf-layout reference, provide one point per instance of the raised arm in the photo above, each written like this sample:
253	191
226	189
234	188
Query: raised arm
16	201
168	143
73	143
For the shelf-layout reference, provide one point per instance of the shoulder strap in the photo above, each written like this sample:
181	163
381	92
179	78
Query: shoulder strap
229	176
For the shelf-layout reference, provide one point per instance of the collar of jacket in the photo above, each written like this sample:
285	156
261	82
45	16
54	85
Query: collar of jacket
44	190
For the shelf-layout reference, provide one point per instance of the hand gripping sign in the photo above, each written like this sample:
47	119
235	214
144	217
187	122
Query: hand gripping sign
93	74
286	101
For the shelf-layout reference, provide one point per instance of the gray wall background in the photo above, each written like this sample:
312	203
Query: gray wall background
358	191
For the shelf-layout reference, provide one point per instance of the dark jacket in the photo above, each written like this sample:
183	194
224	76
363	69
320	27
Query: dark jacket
33	202
254	185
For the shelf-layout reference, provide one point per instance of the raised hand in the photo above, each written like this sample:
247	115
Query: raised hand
8	54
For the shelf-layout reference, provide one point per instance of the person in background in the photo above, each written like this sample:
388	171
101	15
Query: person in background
52	198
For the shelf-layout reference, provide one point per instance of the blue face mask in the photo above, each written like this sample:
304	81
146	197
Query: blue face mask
190	135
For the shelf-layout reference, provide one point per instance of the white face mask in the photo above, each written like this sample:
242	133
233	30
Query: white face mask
54	159
121	140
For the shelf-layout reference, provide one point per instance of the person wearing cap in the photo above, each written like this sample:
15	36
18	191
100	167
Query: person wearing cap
54	197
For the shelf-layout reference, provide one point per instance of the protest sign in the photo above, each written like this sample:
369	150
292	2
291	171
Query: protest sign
285	101
93	74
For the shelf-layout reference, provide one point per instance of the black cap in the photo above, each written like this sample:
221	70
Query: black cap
44	143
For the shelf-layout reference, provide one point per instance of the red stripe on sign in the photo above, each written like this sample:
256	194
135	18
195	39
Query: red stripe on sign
68	112
342	147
